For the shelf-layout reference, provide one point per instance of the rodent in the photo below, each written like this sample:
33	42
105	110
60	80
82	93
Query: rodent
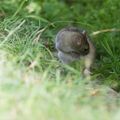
73	44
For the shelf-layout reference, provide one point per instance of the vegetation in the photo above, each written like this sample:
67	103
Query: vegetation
34	85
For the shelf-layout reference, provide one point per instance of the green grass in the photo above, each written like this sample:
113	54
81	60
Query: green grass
34	84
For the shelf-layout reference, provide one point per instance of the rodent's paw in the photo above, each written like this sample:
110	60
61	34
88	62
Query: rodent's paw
87	73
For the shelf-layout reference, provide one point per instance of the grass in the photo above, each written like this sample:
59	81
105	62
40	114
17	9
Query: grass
34	84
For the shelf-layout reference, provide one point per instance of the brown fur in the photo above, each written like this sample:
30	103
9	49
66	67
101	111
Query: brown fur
73	44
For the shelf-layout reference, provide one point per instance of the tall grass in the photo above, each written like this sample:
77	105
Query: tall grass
34	84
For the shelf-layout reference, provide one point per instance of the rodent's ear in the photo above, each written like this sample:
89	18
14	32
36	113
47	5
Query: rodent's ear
78	42
84	34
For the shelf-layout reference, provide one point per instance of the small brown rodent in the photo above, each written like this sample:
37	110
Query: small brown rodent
73	44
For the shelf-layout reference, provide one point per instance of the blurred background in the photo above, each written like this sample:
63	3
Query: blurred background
32	85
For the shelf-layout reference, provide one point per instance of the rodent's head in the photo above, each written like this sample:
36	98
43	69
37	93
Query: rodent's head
72	41
80	44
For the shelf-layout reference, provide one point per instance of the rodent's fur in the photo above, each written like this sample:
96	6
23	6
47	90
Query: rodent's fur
73	44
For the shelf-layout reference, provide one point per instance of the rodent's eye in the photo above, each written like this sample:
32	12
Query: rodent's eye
86	49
